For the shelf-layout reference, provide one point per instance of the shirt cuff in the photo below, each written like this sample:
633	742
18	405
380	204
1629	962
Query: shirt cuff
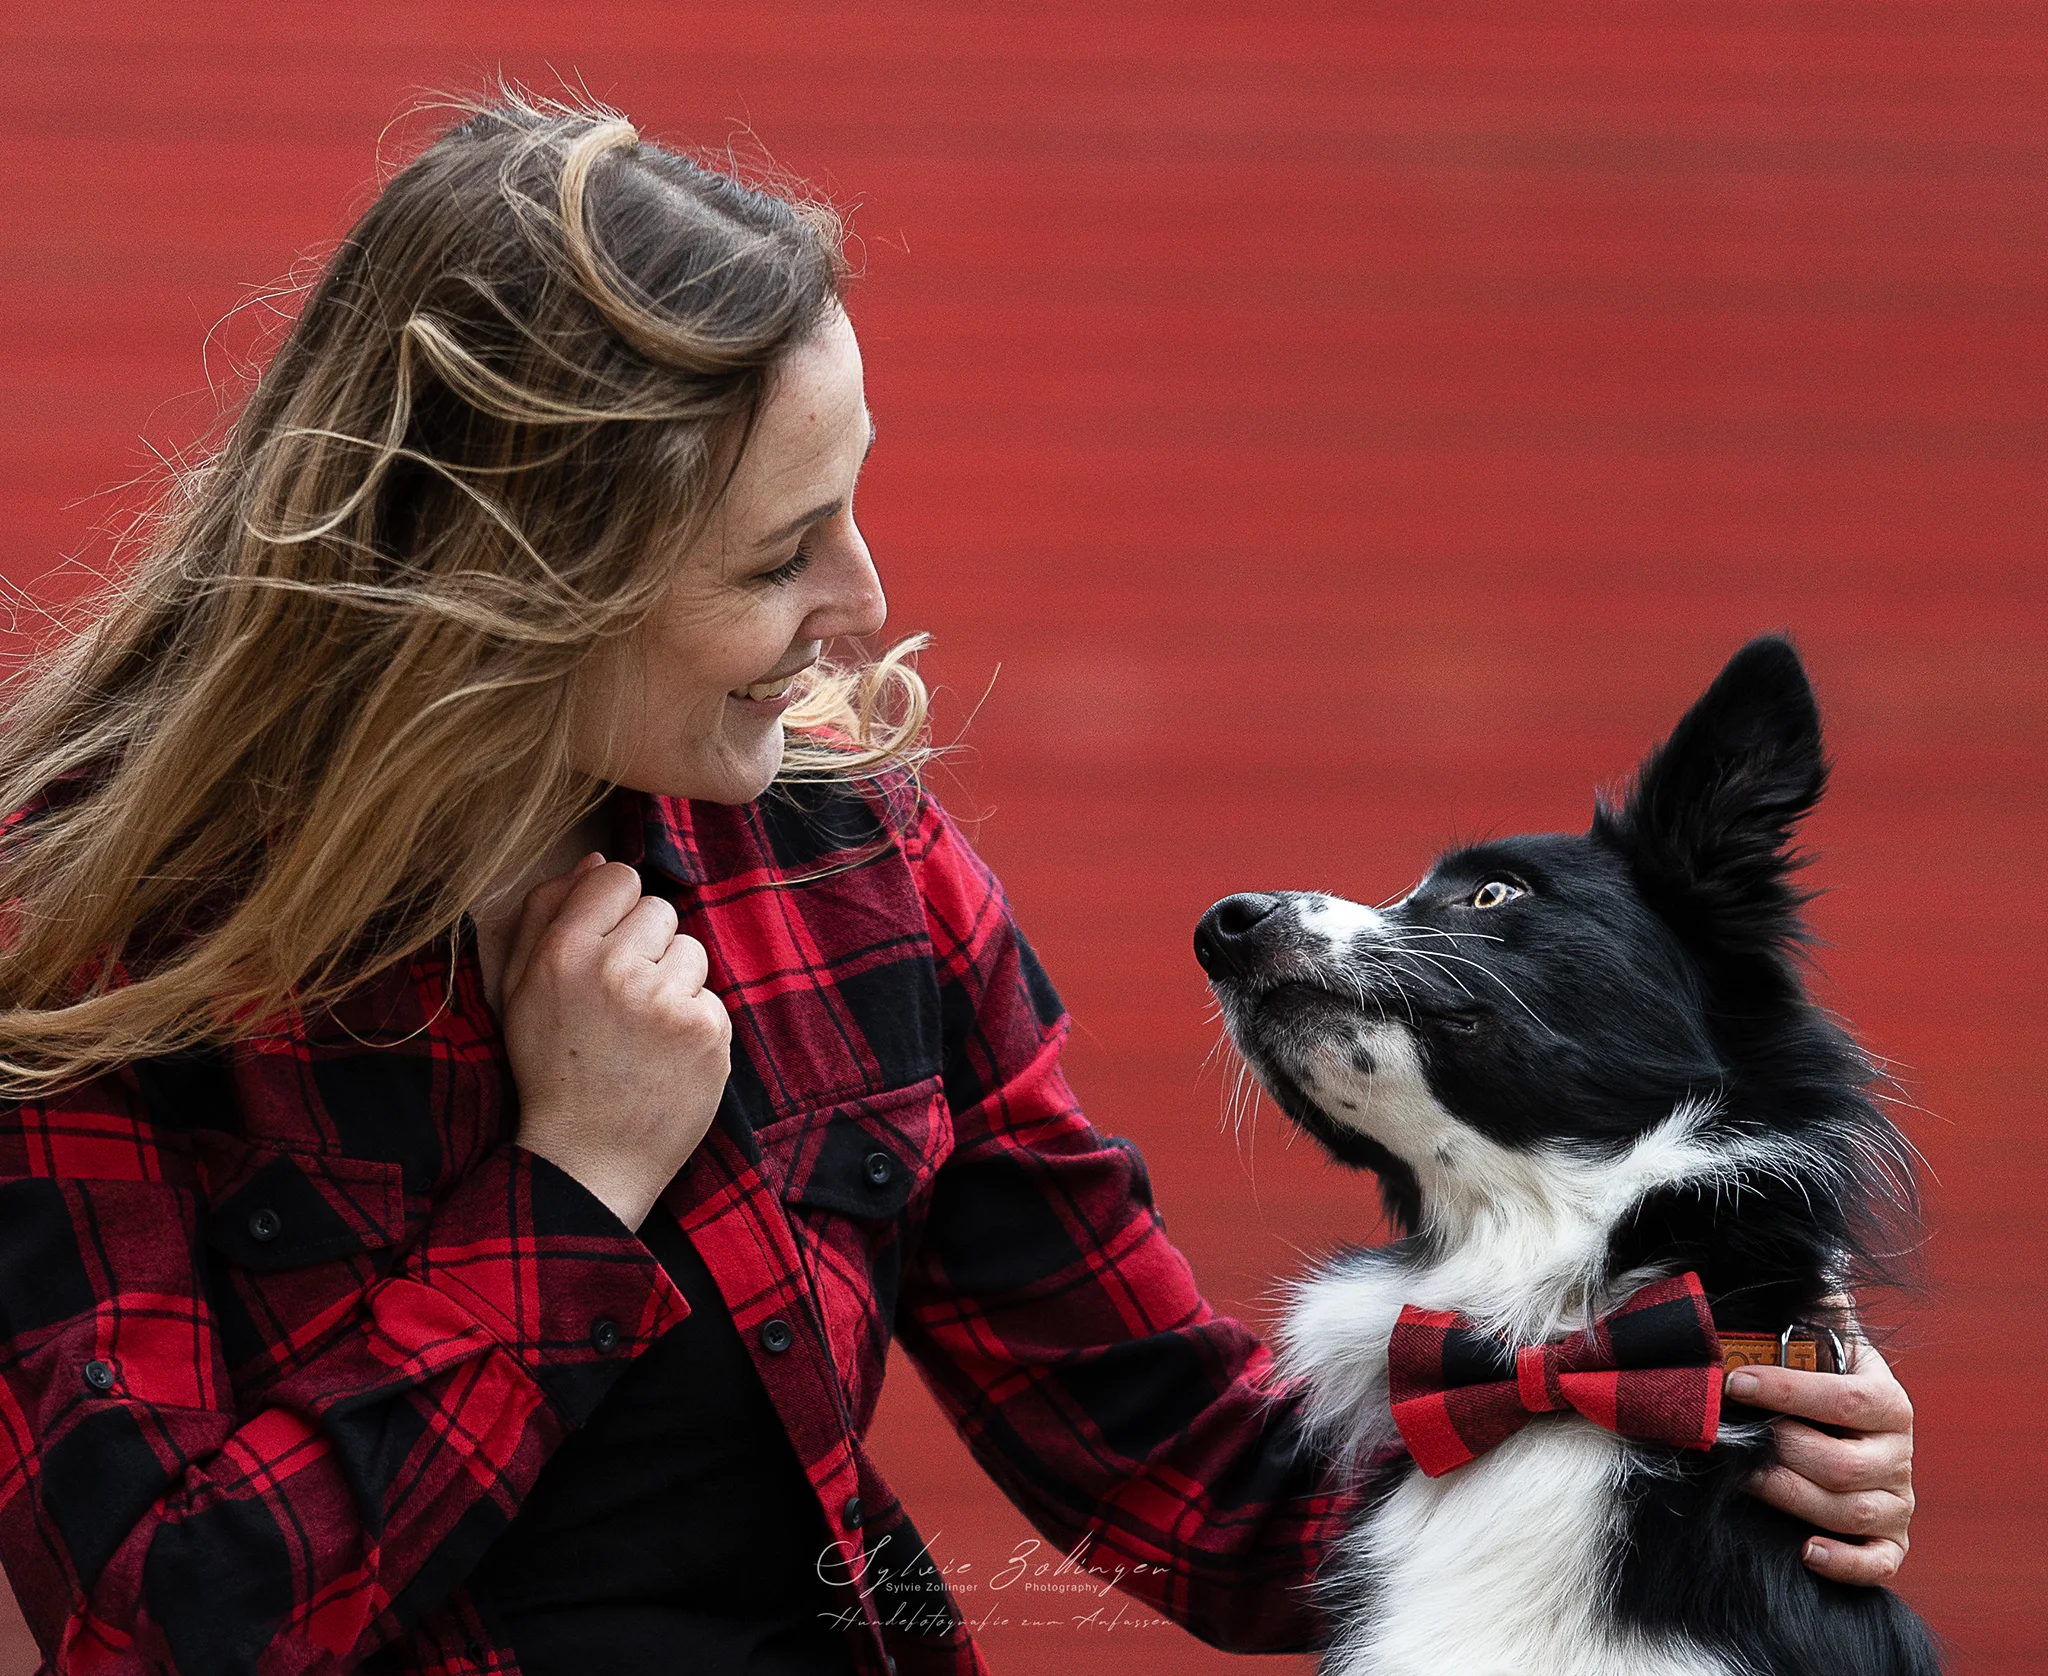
550	1271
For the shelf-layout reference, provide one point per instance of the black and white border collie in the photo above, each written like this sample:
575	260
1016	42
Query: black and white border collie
1579	1064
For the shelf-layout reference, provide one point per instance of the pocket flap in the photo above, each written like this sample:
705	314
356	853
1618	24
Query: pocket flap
271	1209
863	1157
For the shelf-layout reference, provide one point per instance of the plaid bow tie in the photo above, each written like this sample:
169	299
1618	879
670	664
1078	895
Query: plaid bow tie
1649	1369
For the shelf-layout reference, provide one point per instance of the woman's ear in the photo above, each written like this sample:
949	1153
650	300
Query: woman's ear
1707	826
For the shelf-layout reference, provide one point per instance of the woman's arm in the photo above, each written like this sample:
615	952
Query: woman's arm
1067	1339
1065	1335
1859	1484
152	1522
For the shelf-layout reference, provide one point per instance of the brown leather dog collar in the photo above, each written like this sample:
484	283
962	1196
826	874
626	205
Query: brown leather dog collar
1811	1349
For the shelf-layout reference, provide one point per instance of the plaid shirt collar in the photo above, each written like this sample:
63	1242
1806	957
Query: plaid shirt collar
655	834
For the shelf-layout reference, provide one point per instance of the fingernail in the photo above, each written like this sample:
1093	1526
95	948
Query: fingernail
1816	1552
595	855
1743	1383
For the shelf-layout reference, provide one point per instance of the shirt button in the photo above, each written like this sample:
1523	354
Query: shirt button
100	1375
265	1224
880	1167
849	1515
604	1335
776	1336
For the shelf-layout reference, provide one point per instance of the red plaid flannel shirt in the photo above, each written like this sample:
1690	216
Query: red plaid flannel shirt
290	1327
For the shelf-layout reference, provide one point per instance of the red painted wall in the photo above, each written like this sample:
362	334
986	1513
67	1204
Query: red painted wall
1345	427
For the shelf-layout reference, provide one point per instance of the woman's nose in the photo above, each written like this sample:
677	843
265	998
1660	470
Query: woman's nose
858	605
874	605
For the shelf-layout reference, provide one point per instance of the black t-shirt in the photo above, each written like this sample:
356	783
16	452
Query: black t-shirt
676	1530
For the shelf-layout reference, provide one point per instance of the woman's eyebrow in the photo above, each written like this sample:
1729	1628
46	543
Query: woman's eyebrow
817	514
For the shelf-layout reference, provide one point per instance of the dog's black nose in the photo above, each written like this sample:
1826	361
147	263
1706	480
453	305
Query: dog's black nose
1223	935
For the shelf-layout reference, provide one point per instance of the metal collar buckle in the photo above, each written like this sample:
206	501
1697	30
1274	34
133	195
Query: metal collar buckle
1819	1333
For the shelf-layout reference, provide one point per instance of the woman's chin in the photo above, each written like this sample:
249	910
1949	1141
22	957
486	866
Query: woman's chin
732	766
739	776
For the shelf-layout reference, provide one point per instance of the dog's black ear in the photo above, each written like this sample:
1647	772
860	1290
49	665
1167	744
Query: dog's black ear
1708	824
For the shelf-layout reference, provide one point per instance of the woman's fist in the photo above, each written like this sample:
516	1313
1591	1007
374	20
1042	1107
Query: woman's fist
619	1051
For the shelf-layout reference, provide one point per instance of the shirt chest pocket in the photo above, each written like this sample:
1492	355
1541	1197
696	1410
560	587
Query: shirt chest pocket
291	1241
856	1180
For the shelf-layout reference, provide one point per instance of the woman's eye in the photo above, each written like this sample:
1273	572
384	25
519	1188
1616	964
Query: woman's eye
790	568
1494	892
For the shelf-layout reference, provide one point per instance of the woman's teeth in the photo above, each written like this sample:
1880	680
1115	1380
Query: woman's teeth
762	690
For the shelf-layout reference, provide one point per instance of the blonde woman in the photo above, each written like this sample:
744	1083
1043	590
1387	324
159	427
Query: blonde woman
498	1042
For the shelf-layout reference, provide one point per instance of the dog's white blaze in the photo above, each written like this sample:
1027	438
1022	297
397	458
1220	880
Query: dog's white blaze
1499	1568
1340	920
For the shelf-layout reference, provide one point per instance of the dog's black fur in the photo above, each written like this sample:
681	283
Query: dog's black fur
1652	960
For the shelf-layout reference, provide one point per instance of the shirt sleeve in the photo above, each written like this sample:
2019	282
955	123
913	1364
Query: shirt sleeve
150	1522
1065	1335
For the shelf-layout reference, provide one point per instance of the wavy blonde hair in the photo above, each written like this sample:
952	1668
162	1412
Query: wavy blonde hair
329	705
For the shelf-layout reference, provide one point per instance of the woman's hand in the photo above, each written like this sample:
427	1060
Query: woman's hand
620	1052
1860	1485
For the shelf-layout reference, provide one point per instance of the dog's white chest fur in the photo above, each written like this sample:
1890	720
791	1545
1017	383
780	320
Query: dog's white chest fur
1498	1569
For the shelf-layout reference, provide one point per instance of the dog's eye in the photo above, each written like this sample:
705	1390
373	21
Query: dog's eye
1494	892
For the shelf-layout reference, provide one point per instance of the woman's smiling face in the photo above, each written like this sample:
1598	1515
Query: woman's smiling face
701	685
